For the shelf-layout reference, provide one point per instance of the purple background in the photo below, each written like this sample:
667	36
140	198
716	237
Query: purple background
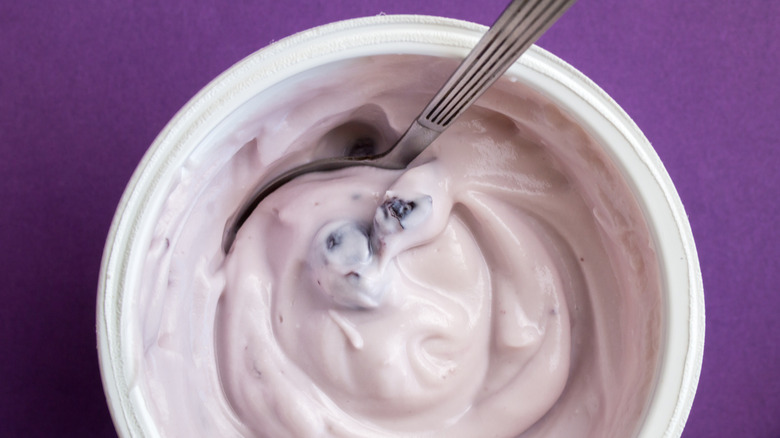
85	86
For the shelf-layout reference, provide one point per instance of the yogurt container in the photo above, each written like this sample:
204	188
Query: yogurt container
219	114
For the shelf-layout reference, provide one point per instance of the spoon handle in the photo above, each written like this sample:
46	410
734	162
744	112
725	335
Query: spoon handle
518	27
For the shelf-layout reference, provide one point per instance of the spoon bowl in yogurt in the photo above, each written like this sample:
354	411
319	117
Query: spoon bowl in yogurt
515	30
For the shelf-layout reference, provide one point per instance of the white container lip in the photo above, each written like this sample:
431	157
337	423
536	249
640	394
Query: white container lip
128	238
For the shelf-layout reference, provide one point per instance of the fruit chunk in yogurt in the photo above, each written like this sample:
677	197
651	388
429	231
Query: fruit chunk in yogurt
503	285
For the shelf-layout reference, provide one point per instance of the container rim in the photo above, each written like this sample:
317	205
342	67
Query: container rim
386	34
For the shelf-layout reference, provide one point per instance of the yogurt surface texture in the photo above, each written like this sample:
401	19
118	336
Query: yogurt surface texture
505	284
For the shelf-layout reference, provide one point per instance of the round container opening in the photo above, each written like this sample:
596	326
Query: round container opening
217	133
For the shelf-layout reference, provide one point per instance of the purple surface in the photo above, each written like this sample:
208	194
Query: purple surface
86	86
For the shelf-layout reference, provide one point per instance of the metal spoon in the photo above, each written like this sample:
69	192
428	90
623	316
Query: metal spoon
515	30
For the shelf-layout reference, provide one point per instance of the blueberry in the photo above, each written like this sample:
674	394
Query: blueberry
343	266
347	244
399	208
333	240
397	214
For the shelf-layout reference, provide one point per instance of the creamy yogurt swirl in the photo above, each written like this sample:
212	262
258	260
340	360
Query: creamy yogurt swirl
504	285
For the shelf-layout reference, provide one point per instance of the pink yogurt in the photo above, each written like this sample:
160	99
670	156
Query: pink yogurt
533	297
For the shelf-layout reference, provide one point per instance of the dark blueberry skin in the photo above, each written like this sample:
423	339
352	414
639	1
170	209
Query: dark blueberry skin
399	214
347	245
399	208
346	254
333	241
343	265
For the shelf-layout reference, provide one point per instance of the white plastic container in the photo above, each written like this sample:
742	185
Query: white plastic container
135	218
